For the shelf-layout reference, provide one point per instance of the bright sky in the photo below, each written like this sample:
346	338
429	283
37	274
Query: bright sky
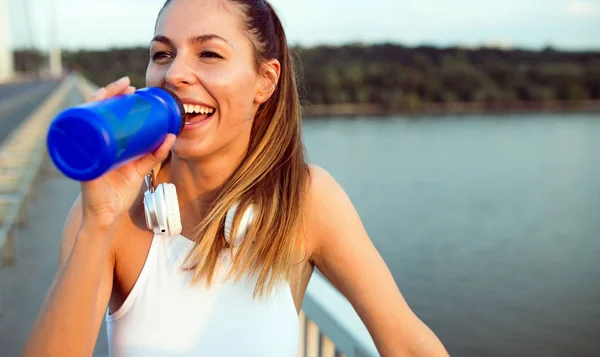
567	24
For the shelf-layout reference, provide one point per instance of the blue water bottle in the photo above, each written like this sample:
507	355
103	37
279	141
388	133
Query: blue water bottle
91	139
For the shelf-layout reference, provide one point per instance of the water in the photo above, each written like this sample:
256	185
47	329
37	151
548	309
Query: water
490	225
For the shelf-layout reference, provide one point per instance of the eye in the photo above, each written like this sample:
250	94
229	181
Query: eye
161	57
209	54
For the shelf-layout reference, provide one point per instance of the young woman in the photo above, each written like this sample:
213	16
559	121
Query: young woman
200	293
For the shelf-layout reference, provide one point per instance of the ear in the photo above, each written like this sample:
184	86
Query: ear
267	83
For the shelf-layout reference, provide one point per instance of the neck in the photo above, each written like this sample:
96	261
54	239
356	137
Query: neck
198	181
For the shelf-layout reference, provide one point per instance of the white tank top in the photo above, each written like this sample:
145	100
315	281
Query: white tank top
164	315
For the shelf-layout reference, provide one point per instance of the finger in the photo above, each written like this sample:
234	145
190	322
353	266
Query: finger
130	90
100	94
149	161
117	87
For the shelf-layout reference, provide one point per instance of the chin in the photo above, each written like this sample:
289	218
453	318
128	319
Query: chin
190	148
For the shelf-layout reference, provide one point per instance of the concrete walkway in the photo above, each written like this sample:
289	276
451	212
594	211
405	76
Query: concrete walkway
24	285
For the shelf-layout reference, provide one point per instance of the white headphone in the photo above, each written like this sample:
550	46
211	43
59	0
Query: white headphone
161	208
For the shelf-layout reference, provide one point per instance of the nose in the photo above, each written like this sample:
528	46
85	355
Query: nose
180	73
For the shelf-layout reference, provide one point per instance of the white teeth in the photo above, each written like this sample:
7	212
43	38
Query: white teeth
197	109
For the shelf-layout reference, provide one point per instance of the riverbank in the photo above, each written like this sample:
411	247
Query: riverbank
456	108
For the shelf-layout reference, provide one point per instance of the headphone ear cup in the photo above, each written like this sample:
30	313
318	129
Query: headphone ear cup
229	222
243	227
172	209
150	210
161	210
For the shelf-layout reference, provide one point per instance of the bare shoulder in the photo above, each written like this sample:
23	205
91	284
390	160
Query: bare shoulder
322	186
329	208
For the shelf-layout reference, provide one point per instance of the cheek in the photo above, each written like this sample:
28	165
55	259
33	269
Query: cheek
154	76
234	89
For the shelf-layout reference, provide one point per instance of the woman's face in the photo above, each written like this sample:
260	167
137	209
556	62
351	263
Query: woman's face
201	52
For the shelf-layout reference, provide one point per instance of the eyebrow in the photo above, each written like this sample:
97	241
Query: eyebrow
205	38
194	40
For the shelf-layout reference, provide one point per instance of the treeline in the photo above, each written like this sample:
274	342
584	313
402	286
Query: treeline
399	78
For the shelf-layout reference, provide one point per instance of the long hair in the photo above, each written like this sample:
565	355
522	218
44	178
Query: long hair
273	176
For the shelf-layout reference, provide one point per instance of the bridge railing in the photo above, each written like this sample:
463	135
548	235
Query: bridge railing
22	154
329	326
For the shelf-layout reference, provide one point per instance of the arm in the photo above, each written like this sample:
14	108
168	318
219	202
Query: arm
72	312
349	260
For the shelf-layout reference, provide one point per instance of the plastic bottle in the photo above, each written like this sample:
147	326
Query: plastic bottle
88	140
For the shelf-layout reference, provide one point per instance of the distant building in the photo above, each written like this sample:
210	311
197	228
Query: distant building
499	44
504	45
7	65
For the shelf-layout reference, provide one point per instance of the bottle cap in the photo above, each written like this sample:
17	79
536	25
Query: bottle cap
84	156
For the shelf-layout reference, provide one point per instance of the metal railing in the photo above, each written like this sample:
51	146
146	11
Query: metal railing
21	157
330	326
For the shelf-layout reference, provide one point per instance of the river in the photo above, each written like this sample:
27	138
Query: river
489	224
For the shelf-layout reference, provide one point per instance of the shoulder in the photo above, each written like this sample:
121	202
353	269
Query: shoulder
329	211
322	183
323	192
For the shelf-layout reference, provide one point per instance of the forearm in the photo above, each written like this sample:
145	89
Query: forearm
66	323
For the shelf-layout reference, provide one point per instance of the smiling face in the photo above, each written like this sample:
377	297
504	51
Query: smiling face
201	52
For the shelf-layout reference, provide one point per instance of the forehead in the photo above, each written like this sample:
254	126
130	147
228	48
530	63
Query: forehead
183	19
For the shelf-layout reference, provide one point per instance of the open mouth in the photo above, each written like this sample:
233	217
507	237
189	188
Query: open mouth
197	113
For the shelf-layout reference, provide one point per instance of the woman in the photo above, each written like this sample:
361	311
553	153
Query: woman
198	293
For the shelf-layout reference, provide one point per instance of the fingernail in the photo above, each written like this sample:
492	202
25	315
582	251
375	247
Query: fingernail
100	92
123	80
132	88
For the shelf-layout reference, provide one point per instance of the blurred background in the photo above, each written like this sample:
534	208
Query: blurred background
465	132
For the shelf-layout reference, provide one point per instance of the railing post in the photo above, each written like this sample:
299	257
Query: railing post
337	321
327	347
302	337
34	185
23	220
312	339
9	248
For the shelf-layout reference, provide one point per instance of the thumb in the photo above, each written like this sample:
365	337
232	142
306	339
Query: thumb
149	161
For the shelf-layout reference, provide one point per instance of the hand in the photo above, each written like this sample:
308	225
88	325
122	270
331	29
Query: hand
108	197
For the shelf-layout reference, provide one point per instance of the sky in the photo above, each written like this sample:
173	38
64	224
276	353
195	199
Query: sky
563	24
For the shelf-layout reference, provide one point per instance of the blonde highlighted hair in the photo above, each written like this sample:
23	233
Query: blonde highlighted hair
273	177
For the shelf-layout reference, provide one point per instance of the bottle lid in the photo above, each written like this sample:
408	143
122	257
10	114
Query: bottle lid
80	149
